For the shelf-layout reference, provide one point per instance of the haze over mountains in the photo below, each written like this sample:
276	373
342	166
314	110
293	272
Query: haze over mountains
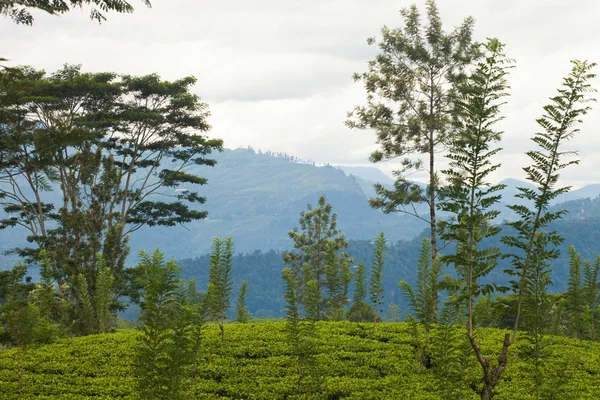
257	199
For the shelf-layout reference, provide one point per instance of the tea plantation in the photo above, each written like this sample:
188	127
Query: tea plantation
356	362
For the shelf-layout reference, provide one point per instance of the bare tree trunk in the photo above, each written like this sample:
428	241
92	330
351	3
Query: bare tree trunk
432	222
491	375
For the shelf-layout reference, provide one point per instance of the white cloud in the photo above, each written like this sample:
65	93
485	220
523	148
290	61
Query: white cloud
277	74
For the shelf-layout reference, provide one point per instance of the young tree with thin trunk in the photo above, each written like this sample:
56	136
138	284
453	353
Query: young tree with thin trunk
315	241
376	290
575	297
360	311
301	330
559	123
421	299
591	277
220	282
337	281
470	196
164	350
410	89
241	313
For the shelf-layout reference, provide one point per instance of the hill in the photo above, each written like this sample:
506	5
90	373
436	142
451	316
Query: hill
356	362
257	198
262	270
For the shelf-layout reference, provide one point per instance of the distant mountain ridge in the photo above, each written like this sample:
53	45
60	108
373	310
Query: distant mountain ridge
257	199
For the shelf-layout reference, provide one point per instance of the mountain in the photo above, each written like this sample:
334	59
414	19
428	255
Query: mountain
369	174
257	199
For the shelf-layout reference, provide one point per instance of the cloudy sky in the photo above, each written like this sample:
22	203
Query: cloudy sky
278	74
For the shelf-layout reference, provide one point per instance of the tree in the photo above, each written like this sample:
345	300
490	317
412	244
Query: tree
410	86
199	315
360	311
376	287
337	280
591	277
575	297
220	283
18	10
164	349
20	318
393	313
421	299
470	196
301	332
109	148
558	122
317	238
241	313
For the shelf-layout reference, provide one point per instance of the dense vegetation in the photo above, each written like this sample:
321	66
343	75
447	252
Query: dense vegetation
109	145
358	362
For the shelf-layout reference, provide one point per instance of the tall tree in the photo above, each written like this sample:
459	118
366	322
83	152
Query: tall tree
108	148
470	196
376	290
317	237
19	10
559	124
410	86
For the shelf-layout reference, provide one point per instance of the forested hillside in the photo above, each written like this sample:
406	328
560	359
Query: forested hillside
262	269
256	197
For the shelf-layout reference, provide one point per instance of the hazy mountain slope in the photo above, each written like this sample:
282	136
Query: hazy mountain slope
257	199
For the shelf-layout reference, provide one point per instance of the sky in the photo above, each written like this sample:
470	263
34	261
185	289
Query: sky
277	75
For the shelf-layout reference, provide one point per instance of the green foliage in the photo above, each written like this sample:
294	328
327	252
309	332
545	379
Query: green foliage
376	290
18	10
421	300
241	313
360	288
103	299
107	145
84	310
451	357
317	258
164	348
393	313
220	283
357	362
362	312
591	276
558	122
470	197
337	280
575	298
410	86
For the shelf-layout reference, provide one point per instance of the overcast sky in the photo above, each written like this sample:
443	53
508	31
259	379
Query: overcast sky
278	74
